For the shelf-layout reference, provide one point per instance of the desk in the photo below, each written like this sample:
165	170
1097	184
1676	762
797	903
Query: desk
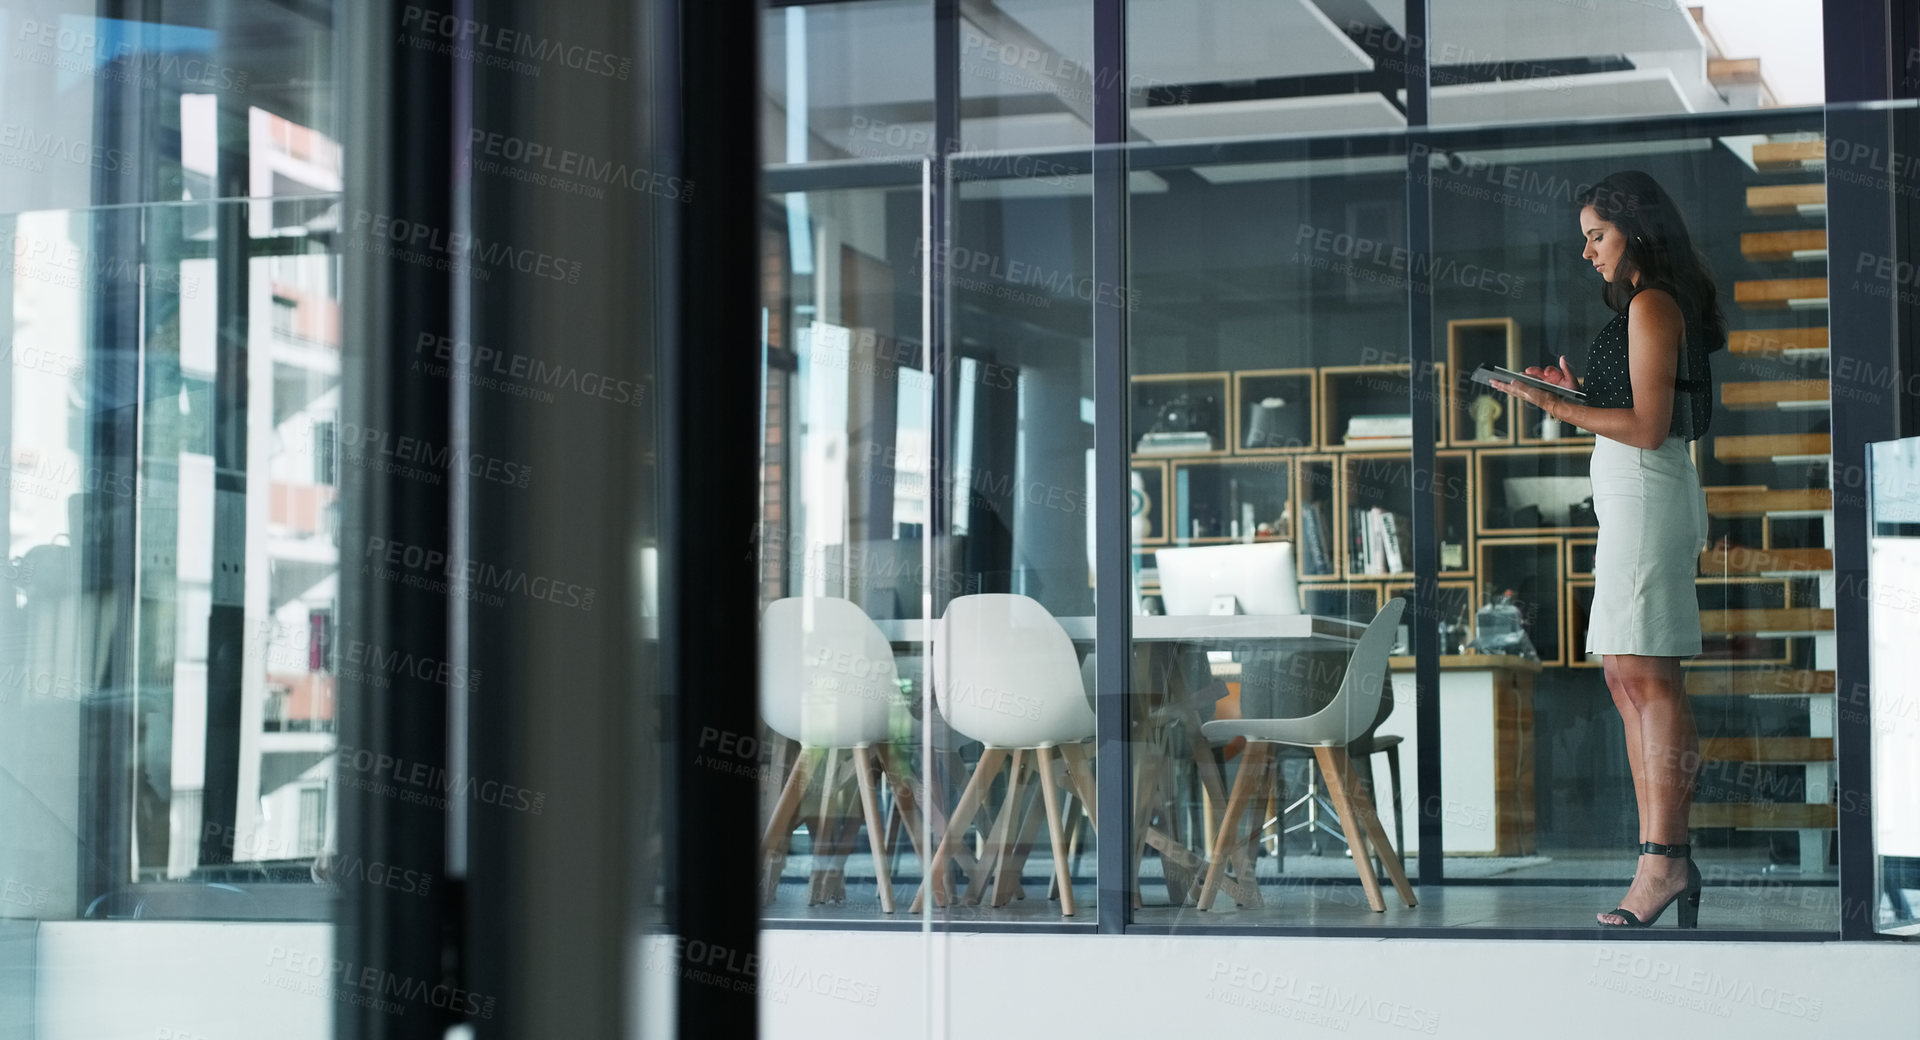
1287	631
1486	775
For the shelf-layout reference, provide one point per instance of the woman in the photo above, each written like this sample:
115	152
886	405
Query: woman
1649	392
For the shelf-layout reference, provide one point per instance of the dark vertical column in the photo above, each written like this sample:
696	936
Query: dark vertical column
226	621
106	527
710	502
397	100
1861	62
1113	542
1423	612
936	241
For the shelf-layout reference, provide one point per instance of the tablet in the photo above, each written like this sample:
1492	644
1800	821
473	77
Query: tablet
1488	373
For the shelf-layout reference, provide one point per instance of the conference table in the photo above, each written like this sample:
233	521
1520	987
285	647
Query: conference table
1291	632
1171	714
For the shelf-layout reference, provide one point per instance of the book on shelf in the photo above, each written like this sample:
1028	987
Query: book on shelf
1378	442
1380	426
1390	540
1313	541
1380	559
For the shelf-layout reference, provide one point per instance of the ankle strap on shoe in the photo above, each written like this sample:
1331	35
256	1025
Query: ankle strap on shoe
1654	848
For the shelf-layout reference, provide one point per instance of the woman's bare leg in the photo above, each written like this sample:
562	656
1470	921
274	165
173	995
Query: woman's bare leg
1669	757
1630	720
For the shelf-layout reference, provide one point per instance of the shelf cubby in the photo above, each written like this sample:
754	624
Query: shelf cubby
1315	489
1385	480
1452	597
1580	552
1204	396
1209	496
1291	426
1472	342
1347	391
1495	466
1531	568
1350	601
1579	610
1453	491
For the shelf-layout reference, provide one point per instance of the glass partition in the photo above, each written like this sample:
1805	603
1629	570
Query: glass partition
1271	442
1305	302
1893	562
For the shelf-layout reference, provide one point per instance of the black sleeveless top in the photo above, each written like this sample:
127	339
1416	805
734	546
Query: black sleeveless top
1608	383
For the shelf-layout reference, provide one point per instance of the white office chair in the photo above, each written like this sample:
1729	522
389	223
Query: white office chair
1005	674
827	680
1352	714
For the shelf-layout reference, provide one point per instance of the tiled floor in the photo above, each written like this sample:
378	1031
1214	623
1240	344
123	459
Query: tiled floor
1564	891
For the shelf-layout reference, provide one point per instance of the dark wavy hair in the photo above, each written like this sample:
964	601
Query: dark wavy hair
1658	248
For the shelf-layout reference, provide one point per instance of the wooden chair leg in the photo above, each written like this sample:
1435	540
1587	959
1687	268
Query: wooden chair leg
1080	776
876	836
1051	797
779	836
993	855
910	803
1377	834
1338	774
779	767
1146	784
820	836
1007	884
935	873
1252	763
1393	772
905	807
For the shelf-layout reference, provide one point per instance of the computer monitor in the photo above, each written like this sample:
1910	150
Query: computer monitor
1262	576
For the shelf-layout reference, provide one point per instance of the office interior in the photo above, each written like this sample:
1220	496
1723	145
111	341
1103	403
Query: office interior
422	624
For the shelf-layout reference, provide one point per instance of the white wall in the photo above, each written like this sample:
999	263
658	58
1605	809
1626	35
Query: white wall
184	980
819	984
214	981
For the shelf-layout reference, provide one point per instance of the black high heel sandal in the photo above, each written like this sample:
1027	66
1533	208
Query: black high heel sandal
1689	896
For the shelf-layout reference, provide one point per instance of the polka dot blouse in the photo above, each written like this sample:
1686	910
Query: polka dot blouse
1608	384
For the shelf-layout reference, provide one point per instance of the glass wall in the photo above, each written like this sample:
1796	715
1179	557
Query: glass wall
1306	290
170	414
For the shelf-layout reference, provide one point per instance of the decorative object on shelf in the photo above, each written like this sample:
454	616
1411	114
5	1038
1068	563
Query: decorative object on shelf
1486	411
1264	424
1183	425
1549	429
1453	634
1581	514
1453	556
1142	509
1501	629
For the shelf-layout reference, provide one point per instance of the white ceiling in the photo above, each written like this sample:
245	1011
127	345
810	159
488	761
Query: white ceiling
1469	31
1332	113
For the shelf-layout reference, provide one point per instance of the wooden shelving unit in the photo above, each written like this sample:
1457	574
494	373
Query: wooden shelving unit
1777	394
1756	611
1777	342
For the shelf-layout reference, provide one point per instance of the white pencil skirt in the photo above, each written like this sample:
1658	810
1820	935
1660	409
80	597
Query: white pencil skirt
1653	525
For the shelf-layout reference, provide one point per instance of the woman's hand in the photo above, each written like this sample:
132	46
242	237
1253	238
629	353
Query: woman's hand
1546	402
1562	376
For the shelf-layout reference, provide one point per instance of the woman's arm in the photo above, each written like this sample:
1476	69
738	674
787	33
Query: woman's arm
1654	329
